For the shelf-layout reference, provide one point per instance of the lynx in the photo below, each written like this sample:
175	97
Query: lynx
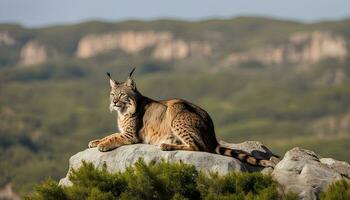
173	124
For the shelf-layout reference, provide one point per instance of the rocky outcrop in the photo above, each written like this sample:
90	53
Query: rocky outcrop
179	49
7	193
6	39
316	46
341	167
33	52
302	47
129	41
124	156
300	171
306	174
164	44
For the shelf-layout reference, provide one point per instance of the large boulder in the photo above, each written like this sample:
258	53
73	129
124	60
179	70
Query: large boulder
306	174
119	159
341	167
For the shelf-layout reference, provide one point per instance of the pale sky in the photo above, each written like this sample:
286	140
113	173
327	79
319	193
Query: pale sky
34	13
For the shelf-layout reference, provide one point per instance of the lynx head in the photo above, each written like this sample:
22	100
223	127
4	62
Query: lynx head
124	96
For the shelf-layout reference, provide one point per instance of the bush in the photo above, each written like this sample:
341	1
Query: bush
159	181
339	190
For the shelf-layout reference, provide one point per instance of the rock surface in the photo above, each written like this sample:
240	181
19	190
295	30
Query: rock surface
164	44
6	39
179	49
124	156
301	47
7	193
304	173
341	167
129	41
33	53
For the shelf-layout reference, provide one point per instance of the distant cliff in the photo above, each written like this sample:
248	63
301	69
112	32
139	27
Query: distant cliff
33	53
6	39
165	46
226	43
300	48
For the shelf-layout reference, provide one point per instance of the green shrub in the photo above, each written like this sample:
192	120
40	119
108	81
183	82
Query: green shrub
159	181
237	186
49	190
339	190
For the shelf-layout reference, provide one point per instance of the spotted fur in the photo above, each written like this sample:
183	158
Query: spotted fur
173	124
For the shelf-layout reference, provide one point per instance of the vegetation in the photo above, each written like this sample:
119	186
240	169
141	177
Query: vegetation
339	190
160	181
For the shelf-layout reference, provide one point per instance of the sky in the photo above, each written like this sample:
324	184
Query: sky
38	13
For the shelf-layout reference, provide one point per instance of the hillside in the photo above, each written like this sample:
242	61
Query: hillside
281	82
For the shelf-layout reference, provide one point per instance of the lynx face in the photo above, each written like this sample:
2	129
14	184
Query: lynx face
123	96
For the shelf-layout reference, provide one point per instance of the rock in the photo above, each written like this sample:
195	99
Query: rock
6	39
264	55
301	48
301	171
33	53
317	45
179	49
128	41
124	156
165	45
341	167
169	50
7	193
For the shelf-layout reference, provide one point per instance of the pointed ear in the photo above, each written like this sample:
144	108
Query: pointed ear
131	83
112	82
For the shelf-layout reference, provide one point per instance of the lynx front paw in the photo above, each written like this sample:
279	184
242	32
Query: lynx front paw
104	147
93	143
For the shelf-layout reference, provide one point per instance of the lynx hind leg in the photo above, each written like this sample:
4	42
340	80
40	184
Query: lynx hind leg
172	147
183	129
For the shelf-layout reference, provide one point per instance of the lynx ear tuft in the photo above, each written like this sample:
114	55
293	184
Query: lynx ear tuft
132	71
112	82
129	82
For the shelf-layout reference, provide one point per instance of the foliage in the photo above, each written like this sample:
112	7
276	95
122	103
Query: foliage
159	181
339	190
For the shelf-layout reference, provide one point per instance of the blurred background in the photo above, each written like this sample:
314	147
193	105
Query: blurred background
273	71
